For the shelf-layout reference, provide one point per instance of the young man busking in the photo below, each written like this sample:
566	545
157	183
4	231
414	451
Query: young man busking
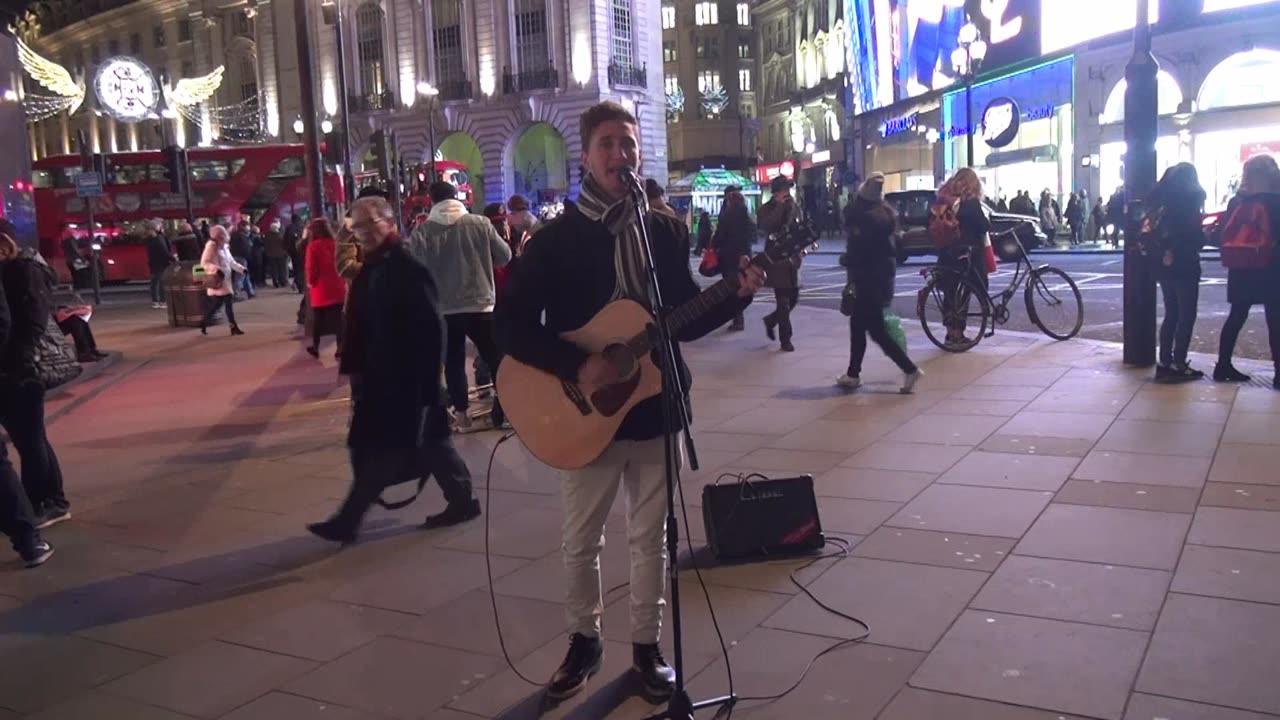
589	256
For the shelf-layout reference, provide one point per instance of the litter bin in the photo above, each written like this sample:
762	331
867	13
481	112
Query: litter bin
183	285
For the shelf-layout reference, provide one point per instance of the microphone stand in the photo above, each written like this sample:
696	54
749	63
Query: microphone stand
680	706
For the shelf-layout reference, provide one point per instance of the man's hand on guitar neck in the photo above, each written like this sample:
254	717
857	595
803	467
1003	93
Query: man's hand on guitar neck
750	279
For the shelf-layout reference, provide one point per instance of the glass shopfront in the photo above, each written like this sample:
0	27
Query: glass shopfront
1023	131
901	143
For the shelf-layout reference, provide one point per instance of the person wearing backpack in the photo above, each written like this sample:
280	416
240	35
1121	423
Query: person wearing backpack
1171	240
871	260
958	224
1253	268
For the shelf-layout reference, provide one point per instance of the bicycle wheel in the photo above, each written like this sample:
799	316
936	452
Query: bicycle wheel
1054	303
947	306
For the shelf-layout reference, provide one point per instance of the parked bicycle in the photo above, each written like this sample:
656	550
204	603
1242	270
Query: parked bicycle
954	300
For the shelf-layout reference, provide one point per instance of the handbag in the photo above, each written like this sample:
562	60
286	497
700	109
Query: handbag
49	361
710	265
848	297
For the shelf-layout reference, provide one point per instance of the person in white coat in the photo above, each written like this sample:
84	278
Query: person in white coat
218	266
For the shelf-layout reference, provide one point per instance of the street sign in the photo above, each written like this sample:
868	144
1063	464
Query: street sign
88	184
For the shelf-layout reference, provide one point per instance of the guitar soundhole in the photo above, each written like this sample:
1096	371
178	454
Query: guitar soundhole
621	358
609	400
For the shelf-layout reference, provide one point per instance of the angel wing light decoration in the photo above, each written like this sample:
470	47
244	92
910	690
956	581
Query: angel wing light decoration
68	91
193	91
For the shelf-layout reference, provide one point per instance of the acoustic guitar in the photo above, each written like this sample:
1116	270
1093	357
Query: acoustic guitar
566	425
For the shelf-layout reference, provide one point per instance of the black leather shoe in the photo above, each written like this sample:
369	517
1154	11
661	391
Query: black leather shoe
453	515
328	530
768	330
1228	373
656	676
584	659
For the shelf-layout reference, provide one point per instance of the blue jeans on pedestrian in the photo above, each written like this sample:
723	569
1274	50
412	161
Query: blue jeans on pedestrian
243	283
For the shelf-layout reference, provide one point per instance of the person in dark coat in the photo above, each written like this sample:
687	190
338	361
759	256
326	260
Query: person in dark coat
1259	182
187	244
17	517
705	232
28	287
277	255
159	258
784	277
871	260
241	246
964	257
393	352
1115	215
732	241
1178	202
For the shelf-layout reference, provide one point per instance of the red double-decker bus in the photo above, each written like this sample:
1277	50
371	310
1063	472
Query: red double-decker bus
260	183
416	200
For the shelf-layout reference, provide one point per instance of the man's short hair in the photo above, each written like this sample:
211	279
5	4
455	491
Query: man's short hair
375	206
441	191
653	190
597	115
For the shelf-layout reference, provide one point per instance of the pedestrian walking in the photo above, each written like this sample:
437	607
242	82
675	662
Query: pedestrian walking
656	195
393	350
871	261
1075	219
241	247
775	217
219	269
1259	196
1115	215
28	289
705	232
277	255
462	250
1097	220
523	222
732	241
1172	244
159	258
325	287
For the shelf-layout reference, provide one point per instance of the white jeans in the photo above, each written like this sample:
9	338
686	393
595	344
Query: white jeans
588	494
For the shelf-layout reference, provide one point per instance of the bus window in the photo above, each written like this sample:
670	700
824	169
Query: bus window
206	170
288	168
131	174
42	179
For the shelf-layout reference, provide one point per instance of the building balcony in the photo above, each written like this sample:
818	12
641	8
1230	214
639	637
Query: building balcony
627	74
542	79
371	102
459	89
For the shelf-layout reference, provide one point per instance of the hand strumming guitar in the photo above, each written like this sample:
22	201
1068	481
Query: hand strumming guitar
597	372
750	279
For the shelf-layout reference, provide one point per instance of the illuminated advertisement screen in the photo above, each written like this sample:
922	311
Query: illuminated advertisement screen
1067	24
1216	5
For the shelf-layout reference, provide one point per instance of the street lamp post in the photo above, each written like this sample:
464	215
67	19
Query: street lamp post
967	59
310	137
1140	130
430	92
348	172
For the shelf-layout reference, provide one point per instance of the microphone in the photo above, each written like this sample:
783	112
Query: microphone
629	176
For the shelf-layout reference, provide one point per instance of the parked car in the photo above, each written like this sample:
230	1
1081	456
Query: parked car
1212	226
913	221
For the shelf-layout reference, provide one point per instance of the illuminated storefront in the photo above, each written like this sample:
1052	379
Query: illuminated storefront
1023	126
902	143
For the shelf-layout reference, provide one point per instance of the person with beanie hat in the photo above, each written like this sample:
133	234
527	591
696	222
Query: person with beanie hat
871	261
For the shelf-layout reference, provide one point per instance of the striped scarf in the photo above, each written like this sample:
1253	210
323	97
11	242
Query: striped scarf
630	265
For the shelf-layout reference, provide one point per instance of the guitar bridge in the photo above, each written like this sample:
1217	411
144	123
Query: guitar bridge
576	397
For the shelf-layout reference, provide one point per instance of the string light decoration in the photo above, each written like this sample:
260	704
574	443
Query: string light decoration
715	99
675	101
243	122
41	107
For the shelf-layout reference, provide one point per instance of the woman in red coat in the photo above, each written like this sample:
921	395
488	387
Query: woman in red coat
326	289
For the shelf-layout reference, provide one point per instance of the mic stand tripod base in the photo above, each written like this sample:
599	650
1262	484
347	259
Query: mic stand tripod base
680	707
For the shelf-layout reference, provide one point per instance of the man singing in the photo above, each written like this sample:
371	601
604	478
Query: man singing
589	256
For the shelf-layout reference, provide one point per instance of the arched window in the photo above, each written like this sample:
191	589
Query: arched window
1247	78
1168	99
369	49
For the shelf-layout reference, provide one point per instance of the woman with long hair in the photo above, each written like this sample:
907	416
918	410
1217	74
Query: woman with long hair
732	241
219	267
964	257
325	287
1174	212
1259	183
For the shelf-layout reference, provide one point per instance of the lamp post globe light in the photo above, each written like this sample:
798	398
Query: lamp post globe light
967	59
298	127
430	93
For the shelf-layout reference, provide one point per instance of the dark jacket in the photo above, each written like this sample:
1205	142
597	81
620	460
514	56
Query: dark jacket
539	304
274	241
870	253
733	239
1256	287
393	349
28	289
975	222
1181	230
241	244
159	253
772	217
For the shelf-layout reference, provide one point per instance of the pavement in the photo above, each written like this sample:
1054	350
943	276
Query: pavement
1037	533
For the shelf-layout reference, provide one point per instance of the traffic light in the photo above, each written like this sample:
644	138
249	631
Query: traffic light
333	148
175	164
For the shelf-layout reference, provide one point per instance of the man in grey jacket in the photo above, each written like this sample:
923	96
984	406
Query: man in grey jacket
461	250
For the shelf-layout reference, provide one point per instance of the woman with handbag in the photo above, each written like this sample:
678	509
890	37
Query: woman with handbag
34	360
218	267
871	260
